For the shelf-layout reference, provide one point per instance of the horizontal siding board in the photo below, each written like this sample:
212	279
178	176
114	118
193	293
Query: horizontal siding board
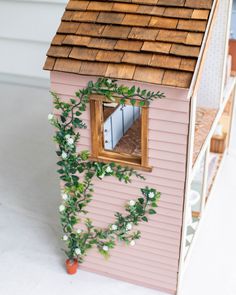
160	242
167	156
129	273
172	116
170	137
133	281
135	269
169	127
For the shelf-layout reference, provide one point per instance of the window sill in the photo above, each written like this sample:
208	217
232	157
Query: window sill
122	163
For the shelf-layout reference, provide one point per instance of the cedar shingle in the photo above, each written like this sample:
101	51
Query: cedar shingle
83	53
172	36
200	14
184	50
90	29
128	45
166	23
88	68
192	25
76	40
125	7
172	2
85	16
109	56
194	39
181	12
165	61
59	51
116	32
68	27
68	15
58	39
67	65
77	5
120	71
102	43
49	64
110	18
188	64
157	10
150	75
177	79
156	47
136	20
137	58
199	3
100	6
142	1
143	34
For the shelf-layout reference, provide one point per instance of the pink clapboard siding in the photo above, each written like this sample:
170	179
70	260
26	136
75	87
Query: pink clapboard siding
153	262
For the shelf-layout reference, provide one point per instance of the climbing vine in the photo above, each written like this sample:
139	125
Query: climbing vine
77	172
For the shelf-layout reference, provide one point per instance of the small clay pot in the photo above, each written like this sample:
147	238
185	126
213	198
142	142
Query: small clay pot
72	266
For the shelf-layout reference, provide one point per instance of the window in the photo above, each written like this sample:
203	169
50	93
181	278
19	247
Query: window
119	133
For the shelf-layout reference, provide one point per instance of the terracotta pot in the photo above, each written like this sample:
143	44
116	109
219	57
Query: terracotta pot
72	266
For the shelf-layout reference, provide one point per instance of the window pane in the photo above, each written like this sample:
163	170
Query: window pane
122	128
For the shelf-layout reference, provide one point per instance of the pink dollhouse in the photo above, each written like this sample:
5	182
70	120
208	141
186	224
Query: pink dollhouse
180	48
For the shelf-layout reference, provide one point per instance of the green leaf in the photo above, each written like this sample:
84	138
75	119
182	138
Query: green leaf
151	212
141	200
142	103
133	102
144	218
63	119
132	90
122	101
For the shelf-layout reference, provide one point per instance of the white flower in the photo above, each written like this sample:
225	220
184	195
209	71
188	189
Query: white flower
78	231
151	195
64	155
65	197
132	203
65	238
105	248
62	208
132	243
129	226
114	227
50	117
109	170
67	136
77	251
70	140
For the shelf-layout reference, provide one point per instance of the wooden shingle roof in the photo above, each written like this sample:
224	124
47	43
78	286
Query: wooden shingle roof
155	41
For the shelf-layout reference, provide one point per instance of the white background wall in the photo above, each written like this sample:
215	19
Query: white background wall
26	28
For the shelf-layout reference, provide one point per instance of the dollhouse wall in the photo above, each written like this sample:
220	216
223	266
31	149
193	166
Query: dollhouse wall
153	262
214	69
